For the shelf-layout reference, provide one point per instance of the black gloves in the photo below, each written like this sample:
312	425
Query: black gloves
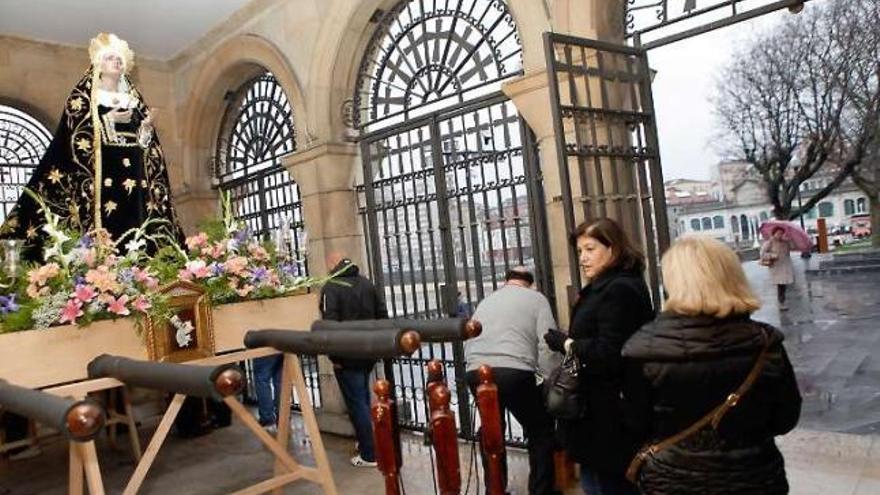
555	340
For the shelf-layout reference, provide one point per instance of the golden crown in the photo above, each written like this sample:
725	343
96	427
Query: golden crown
105	43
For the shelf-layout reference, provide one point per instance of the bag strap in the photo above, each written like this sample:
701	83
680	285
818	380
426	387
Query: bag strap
713	417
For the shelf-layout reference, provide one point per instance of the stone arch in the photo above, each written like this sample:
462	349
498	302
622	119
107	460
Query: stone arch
38	113
224	69
333	74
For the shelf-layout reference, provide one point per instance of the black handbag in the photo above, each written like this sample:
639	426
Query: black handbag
562	394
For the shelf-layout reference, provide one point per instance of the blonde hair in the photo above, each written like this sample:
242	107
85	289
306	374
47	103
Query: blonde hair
702	276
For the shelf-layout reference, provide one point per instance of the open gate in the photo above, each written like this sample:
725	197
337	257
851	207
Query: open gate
451	201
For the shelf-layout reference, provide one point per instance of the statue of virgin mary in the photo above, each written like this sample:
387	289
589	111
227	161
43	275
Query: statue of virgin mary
104	167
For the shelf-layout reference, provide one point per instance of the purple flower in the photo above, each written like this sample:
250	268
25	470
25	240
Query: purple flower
241	235
126	276
288	269
259	275
85	242
8	304
216	269
79	280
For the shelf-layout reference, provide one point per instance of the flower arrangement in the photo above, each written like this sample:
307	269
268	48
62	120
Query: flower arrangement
83	278
87	277
232	265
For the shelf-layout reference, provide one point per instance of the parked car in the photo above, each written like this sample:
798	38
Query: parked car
860	226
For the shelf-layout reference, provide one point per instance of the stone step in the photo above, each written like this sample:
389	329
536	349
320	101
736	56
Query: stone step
848	262
867	254
843	270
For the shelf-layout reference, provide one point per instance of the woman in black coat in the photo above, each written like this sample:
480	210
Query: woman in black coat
610	308
700	350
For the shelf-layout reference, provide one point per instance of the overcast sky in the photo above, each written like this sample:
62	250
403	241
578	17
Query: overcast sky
683	86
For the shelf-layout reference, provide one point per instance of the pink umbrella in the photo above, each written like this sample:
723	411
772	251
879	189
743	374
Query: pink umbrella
800	240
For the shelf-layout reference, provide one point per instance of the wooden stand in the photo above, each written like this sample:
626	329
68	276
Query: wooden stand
83	458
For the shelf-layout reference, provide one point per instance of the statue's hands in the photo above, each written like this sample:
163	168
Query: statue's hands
120	115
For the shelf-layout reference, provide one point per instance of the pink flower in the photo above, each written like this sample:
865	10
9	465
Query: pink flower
33	291
258	252
235	265
117	306
105	298
197	241
139	274
198	268
185	275
103	279
244	291
40	275
71	311
90	258
217	250
84	293
142	304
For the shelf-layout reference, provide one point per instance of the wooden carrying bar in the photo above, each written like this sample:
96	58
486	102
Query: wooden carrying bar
84	464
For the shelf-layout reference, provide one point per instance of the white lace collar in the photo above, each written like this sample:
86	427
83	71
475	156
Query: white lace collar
116	99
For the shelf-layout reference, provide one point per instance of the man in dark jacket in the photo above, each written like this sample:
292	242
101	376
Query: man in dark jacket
354	298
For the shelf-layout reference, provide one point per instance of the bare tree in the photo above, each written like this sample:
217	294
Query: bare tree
787	104
863	19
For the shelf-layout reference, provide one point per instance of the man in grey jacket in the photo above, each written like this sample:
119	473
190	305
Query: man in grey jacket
515	319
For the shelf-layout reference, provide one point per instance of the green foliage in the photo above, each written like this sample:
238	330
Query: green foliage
19	320
166	264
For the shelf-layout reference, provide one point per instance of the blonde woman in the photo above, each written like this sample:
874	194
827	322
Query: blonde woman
701	349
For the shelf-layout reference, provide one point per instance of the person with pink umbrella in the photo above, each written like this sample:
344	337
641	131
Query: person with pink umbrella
782	238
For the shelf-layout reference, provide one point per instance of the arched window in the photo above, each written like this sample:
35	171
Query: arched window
861	205
764	216
257	130
826	209
695	224
811	214
849	207
707	223
744	226
23	142
718	222
425	56
734	224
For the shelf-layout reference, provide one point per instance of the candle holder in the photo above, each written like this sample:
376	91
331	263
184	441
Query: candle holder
11	257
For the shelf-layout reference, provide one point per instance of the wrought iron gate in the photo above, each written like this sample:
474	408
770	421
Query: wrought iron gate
451	201
606	142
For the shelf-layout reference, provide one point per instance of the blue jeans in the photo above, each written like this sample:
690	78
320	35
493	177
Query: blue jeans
355	387
595	483
267	376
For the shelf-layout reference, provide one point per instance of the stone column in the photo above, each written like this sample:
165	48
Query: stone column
595	19
326	173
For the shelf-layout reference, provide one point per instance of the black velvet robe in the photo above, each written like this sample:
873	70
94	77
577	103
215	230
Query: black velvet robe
132	180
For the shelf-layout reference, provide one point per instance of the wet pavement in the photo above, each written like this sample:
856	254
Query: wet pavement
832	335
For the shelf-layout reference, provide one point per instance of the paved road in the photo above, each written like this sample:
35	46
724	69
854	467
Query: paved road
832	334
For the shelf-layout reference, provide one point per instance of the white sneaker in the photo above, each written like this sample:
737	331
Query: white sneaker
271	429
358	461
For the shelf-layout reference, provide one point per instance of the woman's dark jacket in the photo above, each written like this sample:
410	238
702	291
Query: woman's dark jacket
609	310
688	366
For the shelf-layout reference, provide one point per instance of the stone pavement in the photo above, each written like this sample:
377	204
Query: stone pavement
818	463
832	334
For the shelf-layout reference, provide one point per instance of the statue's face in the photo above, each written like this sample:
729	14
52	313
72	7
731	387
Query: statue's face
111	64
